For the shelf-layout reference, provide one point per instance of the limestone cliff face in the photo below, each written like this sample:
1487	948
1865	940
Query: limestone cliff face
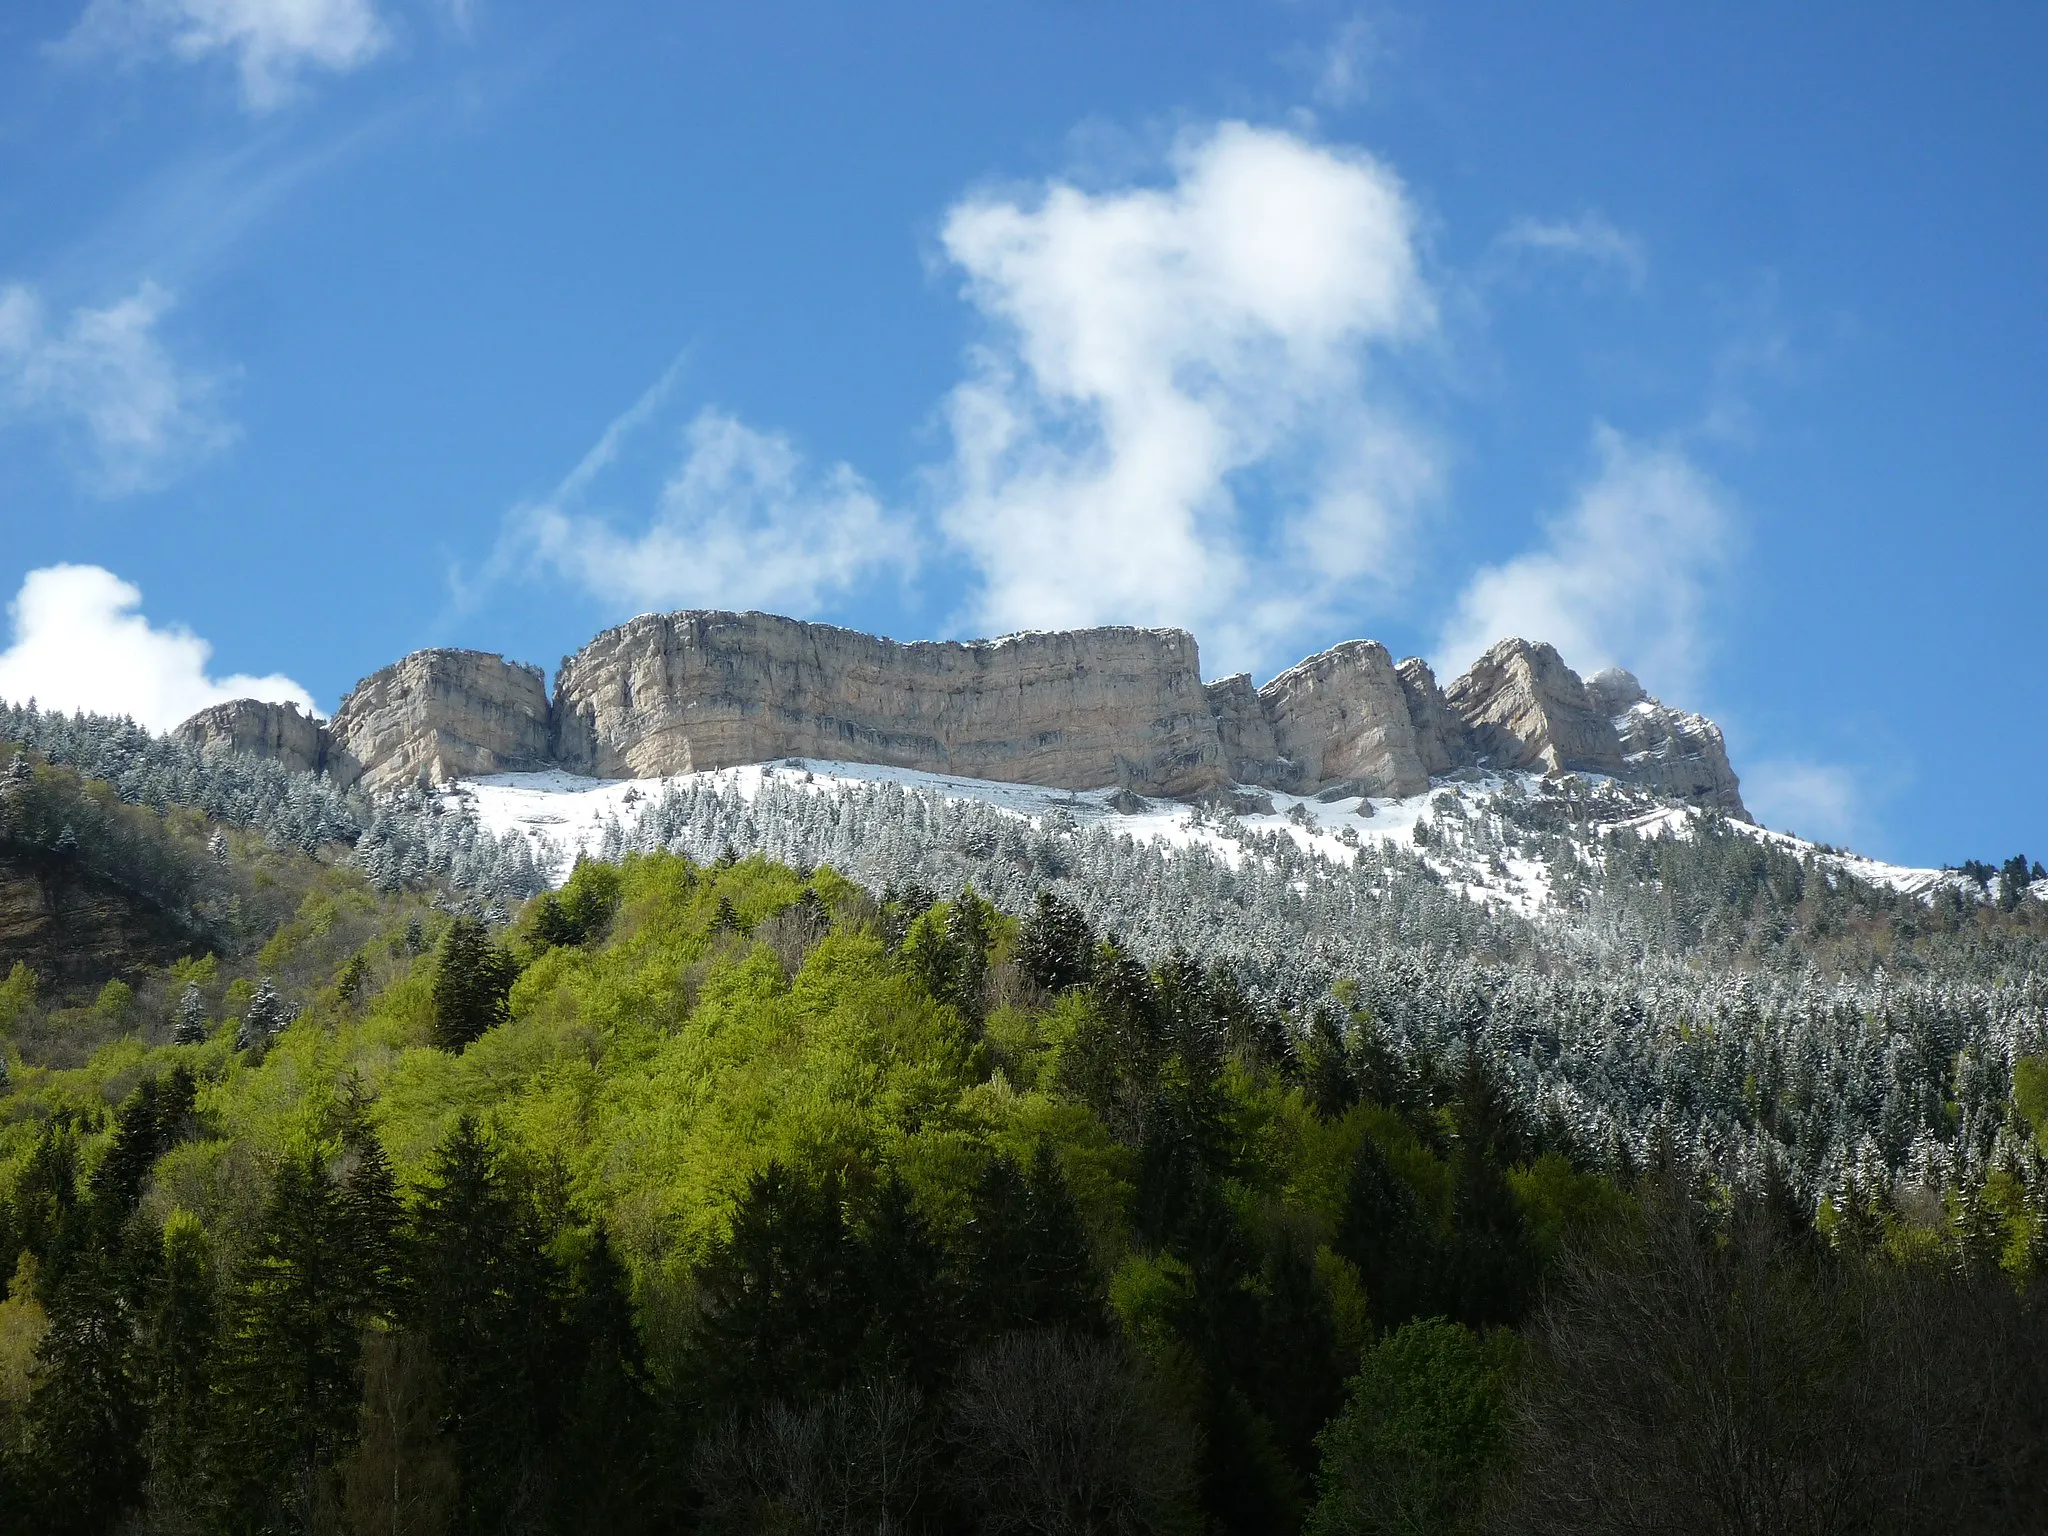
1439	734
1665	749
1341	717
684	692
1084	709
1524	708
440	714
281	732
1244	734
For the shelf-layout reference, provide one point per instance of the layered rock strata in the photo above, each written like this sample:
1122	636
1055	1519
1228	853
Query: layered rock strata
1083	709
683	692
442	714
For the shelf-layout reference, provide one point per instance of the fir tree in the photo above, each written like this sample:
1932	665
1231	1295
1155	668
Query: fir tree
1055	944
188	1023
487	1296
290	1349
472	979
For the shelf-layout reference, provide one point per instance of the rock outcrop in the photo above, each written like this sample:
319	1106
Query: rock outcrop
1664	749
683	692
1439	734
1524	708
1083	709
438	715
1341	718
283	733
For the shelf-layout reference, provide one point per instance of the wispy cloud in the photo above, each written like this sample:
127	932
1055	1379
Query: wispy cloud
1344	68
1156	354
273	43
1589	238
1623	574
741	520
81	642
105	379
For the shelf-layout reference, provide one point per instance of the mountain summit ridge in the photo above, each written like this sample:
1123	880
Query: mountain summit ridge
1083	709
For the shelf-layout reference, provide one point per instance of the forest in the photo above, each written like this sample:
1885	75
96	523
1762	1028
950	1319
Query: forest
733	1192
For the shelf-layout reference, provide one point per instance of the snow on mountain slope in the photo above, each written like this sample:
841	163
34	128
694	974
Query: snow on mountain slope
1465	829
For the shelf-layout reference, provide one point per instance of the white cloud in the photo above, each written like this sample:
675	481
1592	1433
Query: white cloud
80	642
1589	237
1154	354
272	42
1821	801
742	521
105	377
1622	578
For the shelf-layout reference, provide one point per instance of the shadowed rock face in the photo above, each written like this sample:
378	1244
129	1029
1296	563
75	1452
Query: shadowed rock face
683	692
1439	734
281	732
1341	717
440	715
1082	709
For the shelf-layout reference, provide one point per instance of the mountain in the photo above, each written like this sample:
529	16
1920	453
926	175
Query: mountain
1087	709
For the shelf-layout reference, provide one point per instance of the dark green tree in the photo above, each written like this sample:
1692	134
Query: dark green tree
287	1378
487	1296
472	979
782	1298
1055	945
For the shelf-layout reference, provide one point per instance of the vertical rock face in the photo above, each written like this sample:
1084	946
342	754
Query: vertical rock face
1243	733
1524	708
1083	709
1342	717
281	732
1665	749
683	692
1439	734
441	714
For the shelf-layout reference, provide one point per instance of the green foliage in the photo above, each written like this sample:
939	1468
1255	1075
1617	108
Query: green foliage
17	993
1421	1432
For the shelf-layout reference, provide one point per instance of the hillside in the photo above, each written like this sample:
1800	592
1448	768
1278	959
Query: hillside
823	1146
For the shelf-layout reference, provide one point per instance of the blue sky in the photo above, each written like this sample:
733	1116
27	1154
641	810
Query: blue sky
1706	342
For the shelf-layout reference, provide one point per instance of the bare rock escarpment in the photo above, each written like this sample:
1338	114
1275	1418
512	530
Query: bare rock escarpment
1524	708
684	692
1082	709
283	733
1667	750
1341	719
442	714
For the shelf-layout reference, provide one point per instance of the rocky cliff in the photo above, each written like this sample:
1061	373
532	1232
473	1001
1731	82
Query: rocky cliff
678	693
442	714
1083	709
282	732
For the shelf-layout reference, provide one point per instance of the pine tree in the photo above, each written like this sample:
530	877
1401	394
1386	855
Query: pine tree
782	1299
178	1333
607	1444
1066	1291
915	1330
487	1296
188	1024
266	1015
82	1459
1055	945
472	979
290	1349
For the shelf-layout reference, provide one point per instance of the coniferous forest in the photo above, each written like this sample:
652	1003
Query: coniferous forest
879	1164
